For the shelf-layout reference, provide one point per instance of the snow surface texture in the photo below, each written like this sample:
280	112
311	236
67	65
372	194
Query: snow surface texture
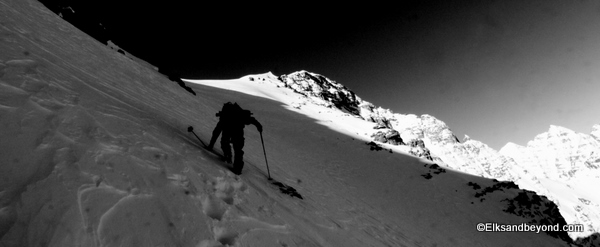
94	152
562	165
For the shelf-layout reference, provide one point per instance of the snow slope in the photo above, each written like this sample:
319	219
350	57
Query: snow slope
94	152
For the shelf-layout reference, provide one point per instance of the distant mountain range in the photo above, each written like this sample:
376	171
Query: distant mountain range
560	164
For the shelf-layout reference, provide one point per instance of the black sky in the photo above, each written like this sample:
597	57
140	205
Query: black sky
224	41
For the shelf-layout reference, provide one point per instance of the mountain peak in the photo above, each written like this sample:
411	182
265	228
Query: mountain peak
596	131
466	138
260	77
559	129
509	146
322	90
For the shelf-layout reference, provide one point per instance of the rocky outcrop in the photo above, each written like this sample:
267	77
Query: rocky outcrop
323	90
589	241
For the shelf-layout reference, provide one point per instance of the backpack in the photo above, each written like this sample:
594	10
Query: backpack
234	111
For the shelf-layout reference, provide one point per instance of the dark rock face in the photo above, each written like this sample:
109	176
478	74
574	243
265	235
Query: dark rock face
537	210
390	136
175	78
589	241
394	138
315	85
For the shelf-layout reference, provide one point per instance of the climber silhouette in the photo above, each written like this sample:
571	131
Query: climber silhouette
232	120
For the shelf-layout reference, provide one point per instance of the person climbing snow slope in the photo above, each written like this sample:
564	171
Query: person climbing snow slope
232	120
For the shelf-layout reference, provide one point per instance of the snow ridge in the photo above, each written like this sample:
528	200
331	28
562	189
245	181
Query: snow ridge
559	155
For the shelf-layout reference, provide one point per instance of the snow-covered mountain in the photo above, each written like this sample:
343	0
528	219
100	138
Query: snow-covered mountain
560	164
94	151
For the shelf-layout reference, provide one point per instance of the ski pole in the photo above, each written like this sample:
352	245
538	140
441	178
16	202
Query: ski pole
265	152
191	129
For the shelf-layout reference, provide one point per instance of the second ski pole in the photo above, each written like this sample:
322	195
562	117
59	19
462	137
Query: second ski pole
265	153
